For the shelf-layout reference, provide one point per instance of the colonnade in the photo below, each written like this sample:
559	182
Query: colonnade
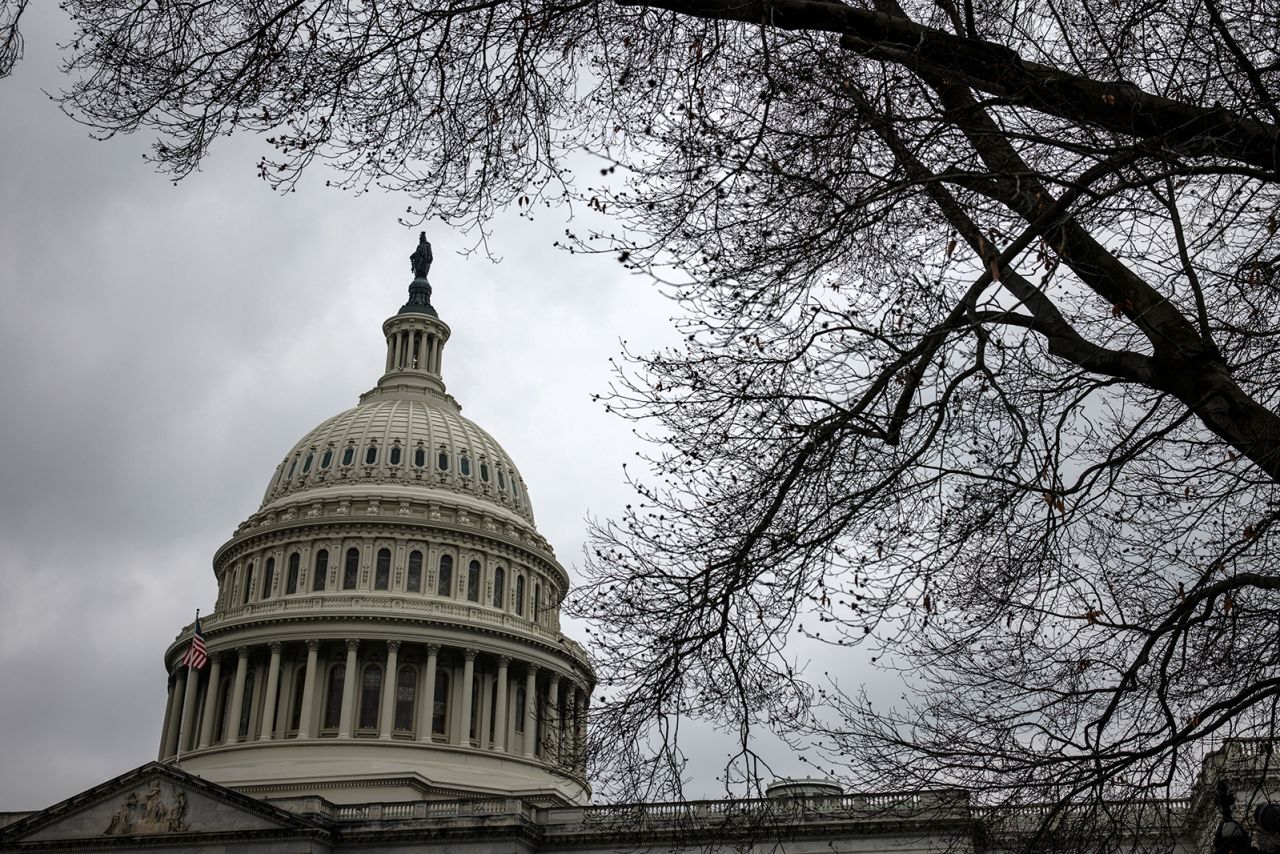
410	349
385	689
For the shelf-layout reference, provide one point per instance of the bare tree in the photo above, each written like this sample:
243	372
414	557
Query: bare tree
10	36
981	359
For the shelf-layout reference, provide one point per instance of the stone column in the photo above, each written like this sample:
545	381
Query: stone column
581	758
211	700
187	738
468	676
420	351
500	705
530	709
309	690
164	725
428	710
551	741
175	713
391	351
387	719
348	690
273	688
237	696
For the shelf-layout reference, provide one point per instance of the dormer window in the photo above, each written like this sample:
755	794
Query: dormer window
420	456
306	464
502	480
464	464
484	472
293	465
395	454
442	459
326	459
371	455
348	455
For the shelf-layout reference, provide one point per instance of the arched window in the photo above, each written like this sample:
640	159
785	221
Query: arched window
348	455
442	460
326	459
268	577
464	465
322	570
370	694
499	586
519	595
406	687
351	570
473	581
306	464
246	707
248	584
420	456
333	696
371	455
395	455
439	709
295	569
413	579
519	708
299	685
537	602
382	570
444	584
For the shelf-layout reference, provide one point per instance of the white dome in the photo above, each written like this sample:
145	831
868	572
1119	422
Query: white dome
423	442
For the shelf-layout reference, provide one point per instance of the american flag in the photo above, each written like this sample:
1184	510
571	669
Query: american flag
197	654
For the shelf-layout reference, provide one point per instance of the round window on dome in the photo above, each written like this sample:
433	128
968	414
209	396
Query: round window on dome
348	455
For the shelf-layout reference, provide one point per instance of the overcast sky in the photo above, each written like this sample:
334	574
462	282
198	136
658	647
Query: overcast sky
162	347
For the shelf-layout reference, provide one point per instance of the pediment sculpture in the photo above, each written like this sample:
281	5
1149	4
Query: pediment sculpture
151	813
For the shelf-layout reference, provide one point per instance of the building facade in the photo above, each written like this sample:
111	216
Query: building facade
386	672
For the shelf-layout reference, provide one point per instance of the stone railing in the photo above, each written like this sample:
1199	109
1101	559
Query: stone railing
349	603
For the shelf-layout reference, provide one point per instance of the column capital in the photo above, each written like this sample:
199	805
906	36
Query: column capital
433	649
312	644
470	654
504	661
393	645
275	647
531	669
242	651
352	643
555	678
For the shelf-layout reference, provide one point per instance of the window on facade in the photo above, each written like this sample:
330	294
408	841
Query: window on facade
246	707
537	602
441	704
444	584
395	455
484	472
499	586
473	581
321	571
370	694
464	465
299	686
371	455
420	457
248	583
413	578
333	696
351	570
502	480
382	570
406	685
348	455
293	465
326	459
519	708
306	464
268	577
295	569
519	595
442	460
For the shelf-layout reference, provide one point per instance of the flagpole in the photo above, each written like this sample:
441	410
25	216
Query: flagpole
177	754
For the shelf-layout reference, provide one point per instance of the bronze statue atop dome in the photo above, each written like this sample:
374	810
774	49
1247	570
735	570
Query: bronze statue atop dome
420	260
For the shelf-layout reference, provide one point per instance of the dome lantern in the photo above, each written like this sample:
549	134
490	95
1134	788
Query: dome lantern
415	338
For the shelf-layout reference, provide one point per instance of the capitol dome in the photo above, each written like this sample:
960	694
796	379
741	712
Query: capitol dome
388	618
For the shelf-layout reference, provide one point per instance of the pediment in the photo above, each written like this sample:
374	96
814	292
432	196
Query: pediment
154	800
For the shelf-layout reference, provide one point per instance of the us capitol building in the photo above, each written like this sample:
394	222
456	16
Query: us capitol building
386	672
